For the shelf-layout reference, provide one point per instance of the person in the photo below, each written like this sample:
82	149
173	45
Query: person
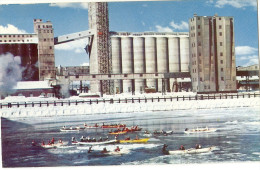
94	140
43	143
182	147
64	127
198	146
186	129
117	149
136	138
104	150
116	137
52	141
33	143
100	139
85	125
90	150
128	138
164	149
60	141
82	139
73	139
70	127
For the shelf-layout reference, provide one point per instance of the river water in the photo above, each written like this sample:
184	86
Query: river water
236	139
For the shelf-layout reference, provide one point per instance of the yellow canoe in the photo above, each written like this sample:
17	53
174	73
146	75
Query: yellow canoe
144	140
117	133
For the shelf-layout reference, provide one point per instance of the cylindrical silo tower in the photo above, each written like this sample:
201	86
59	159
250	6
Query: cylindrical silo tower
174	58
116	61
127	61
162	58
139	66
184	53
174	54
150	59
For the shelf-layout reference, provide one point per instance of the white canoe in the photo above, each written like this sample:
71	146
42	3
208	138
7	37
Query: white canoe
121	152
200	130
192	150
56	145
95	143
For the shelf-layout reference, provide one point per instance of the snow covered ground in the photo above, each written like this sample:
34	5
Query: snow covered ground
94	108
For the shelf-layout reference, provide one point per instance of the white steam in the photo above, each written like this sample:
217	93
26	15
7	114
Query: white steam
10	73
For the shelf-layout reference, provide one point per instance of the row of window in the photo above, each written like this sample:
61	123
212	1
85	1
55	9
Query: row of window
15	36
46	31
14	40
46	39
44	26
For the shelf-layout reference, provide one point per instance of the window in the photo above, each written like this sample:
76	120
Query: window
219	18
221	61
221	53
222	69
220	33
39	26
50	47
220	26
200	78
220	43
198	33
222	78
198	18
198	26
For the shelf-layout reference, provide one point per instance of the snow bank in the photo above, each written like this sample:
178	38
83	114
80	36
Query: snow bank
86	109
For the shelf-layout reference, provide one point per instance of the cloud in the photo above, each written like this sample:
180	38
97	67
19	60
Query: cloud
173	26
163	29
82	5
11	29
182	26
84	64
246	55
248	60
234	3
245	50
75	46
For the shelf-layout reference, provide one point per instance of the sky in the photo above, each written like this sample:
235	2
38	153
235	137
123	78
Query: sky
141	16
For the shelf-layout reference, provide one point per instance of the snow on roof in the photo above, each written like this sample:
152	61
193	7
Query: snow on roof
32	85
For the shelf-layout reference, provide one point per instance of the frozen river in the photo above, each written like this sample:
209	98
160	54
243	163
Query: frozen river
236	139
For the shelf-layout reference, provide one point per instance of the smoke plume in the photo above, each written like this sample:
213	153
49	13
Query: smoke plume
10	73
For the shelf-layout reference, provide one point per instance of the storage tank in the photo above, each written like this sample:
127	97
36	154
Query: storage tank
139	66
127	54
162	54
116	55
150	59
174	54
184	54
138	43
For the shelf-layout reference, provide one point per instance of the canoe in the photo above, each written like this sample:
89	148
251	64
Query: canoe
192	151
200	130
117	133
121	152
113	126
95	143
55	145
144	140
91	127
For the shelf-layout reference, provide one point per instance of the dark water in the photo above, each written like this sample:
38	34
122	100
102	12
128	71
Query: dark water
236	140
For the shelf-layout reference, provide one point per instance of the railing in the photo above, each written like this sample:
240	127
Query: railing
125	100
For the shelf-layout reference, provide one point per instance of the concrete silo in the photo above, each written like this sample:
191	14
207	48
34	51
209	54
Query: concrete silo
184	54
174	59
162	58
116	62
139	66
127	61
150	59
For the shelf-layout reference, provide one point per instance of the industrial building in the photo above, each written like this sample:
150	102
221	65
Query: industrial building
201	60
148	52
36	51
212	54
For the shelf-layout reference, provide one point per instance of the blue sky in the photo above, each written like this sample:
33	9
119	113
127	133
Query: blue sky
141	16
